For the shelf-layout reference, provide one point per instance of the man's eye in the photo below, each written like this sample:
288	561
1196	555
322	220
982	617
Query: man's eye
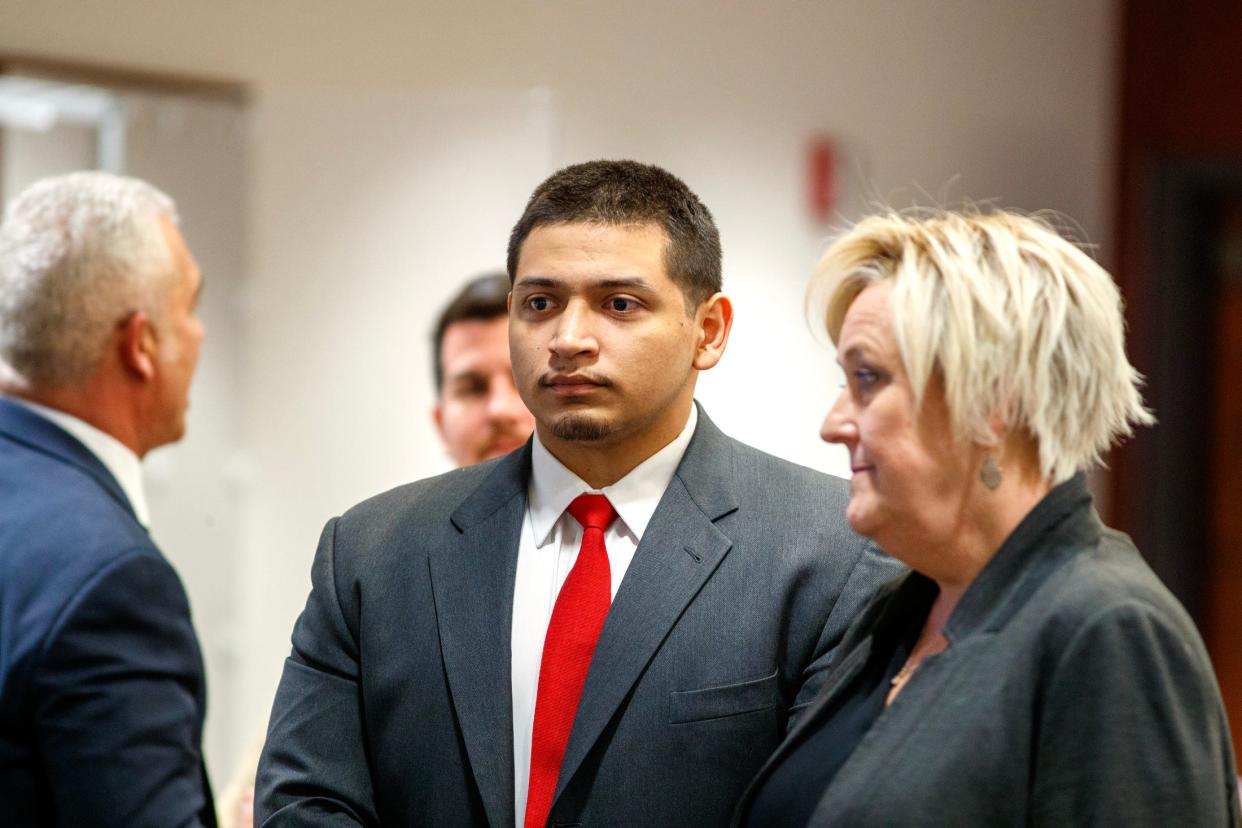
467	388
538	303
620	304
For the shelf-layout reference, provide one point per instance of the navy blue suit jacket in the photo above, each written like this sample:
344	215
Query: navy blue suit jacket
101	679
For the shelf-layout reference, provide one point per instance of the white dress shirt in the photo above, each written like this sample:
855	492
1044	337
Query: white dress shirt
546	553
116	457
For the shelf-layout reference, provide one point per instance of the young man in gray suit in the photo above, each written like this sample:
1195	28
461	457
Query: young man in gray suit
612	625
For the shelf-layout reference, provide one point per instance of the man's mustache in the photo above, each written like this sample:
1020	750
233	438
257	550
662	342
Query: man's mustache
551	378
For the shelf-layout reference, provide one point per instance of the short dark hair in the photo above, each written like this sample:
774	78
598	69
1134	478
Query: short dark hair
483	297
627	192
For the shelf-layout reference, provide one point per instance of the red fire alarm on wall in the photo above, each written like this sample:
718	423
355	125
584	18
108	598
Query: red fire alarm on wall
821	177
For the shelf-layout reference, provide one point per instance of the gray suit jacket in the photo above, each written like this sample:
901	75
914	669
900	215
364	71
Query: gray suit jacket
395	706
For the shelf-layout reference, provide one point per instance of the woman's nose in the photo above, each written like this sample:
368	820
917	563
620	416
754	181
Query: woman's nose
838	426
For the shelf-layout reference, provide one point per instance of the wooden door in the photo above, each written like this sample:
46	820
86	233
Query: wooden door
1223	624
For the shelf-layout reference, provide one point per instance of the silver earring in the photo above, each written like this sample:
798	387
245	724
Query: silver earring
990	474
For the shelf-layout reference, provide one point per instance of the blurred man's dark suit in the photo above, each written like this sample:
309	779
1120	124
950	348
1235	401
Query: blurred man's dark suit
98	659
395	707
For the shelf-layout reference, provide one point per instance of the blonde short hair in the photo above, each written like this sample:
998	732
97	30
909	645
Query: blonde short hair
1011	316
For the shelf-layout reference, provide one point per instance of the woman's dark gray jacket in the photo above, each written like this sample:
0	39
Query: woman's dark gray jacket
1074	691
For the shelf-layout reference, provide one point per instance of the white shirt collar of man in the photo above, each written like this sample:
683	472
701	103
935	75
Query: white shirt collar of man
116	457
635	496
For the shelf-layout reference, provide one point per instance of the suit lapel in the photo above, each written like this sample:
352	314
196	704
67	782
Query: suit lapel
33	431
677	554
472	582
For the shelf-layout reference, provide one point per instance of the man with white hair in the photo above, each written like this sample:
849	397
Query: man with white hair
102	693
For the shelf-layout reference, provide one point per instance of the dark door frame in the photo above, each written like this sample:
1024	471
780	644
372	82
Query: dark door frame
1169	465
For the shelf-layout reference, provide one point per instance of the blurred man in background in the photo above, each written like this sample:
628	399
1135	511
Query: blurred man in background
478	411
102	693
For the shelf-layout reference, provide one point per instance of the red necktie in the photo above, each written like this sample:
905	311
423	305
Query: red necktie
577	618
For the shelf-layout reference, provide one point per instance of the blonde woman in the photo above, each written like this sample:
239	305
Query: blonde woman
1030	670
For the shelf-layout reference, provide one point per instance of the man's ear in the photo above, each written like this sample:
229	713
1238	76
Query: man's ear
714	320
137	346
437	417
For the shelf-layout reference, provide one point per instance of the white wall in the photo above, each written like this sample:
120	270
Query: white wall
393	144
27	156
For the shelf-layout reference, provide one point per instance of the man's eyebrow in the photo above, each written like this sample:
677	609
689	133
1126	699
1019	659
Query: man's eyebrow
620	283
615	284
536	281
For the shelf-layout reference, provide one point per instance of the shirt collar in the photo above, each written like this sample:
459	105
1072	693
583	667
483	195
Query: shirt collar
116	457
635	496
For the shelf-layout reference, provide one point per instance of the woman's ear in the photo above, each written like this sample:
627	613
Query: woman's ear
998	425
998	429
714	320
